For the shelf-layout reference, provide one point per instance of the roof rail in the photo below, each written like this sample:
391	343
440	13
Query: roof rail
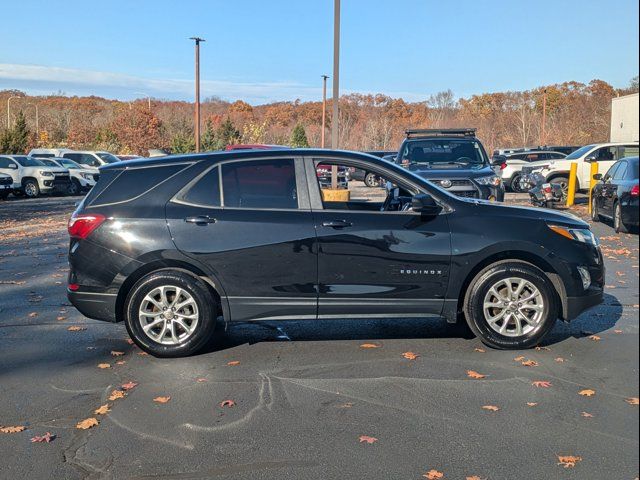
440	132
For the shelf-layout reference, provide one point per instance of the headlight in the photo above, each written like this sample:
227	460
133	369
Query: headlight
87	176
490	180
582	235
45	173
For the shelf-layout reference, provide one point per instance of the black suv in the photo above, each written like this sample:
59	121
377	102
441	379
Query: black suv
454	159
169	245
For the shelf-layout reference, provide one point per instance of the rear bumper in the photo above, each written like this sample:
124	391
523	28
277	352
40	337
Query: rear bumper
630	213
99	306
576	305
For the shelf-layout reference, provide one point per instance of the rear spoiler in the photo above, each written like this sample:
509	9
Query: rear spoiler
440	132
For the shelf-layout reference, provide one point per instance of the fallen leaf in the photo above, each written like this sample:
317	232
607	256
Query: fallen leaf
491	408
542	384
568	461
433	475
104	365
121	362
143	354
410	355
476	375
539	349
346	405
560	360
129	341
617	331
530	363
227	403
233	363
201	380
117	394
103	410
367	439
586	415
33	314
595	338
479	350
161	399
88	423
633	401
518	359
115	353
129	385
61	318
46	438
532	404
16	429
76	328
369	345
474	477
587	393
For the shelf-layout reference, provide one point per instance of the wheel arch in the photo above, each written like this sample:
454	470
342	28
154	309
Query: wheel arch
26	178
504	257
215	288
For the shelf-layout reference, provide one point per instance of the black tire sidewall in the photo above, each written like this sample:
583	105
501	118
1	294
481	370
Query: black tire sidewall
204	301
74	187
515	183
478	288
618	224
595	216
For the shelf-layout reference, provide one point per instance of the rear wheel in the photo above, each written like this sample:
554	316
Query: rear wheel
618	224
31	188
515	184
170	314
74	187
511	305
564	185
595	214
371	180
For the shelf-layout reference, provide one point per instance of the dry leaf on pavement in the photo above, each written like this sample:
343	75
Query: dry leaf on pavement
433	475
233	363
227	403
104	365
117	394
474	374
587	392
595	338
369	345
586	415
410	355
532	404
16	429
568	461
491	408
367	439
161	399
116	353
102	410
560	360
76	328
46	438
519	359
530	363
542	384
633	401
479	350
87	423
129	385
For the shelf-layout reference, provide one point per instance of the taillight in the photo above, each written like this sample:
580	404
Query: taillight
80	226
635	191
503	166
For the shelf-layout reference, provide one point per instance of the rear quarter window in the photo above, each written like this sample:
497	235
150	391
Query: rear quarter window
129	184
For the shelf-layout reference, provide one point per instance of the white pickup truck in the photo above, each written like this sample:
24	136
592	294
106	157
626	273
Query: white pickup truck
606	154
31	177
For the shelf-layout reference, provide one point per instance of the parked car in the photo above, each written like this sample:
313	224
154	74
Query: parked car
93	159
606	154
252	146
6	185
370	179
123	158
616	195
31	177
512	163
454	159
82	178
48	152
566	149
168	245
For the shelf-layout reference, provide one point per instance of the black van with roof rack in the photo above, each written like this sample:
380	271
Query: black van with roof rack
452	158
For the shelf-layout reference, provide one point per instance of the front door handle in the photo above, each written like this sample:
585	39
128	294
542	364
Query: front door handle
200	220
337	224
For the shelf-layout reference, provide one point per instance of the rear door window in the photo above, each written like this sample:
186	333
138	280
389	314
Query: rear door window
260	184
628	151
621	171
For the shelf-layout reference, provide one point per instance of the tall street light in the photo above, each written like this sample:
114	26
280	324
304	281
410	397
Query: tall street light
145	95
324	108
197	111
9	110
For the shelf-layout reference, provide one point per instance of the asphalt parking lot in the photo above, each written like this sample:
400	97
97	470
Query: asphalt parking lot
307	400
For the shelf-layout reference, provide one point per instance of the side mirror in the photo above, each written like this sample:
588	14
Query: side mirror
597	176
591	159
425	204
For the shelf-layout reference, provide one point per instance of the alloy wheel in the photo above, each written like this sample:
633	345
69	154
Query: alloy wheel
30	190
168	315
513	307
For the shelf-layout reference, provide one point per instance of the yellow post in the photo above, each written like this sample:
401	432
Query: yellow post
571	193
592	183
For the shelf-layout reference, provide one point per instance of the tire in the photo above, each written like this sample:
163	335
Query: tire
31	189
564	184
169	338
370	180
74	188
618	224
595	213
497	276
515	184
4	195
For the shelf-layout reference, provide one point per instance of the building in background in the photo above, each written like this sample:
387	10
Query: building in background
624	118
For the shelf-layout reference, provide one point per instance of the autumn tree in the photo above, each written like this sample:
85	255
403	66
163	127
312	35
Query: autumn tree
137	130
299	137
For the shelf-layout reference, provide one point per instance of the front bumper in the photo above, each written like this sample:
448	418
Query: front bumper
99	306
576	305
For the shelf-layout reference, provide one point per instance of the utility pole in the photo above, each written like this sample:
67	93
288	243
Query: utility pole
9	111
148	98
543	136
197	110
324	109
336	88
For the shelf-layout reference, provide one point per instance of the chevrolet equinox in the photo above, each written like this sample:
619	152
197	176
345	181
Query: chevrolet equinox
169	245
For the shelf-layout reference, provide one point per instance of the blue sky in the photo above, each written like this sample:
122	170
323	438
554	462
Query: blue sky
262	51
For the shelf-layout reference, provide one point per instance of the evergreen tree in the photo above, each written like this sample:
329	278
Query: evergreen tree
227	134
183	143
6	141
299	137
20	134
208	140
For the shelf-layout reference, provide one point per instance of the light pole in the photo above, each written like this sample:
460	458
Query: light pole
145	95
197	109
324	108
9	111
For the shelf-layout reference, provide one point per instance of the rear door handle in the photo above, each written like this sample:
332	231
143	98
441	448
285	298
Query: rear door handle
337	224
200	220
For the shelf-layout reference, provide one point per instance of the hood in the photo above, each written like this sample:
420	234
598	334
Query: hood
534	213
92	170
47	169
460	172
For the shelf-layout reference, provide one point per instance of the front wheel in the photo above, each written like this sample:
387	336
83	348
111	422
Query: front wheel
170	314
511	305
595	214
74	188
371	180
564	185
515	184
31	188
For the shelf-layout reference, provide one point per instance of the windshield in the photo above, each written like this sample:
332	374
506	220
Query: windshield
107	157
29	162
69	163
578	153
437	152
